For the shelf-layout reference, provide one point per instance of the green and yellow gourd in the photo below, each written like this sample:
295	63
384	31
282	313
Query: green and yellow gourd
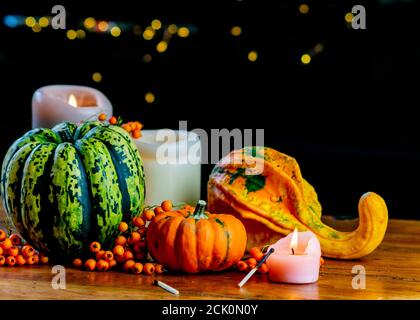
66	186
274	202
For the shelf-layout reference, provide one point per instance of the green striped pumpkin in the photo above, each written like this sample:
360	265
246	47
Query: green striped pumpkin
66	186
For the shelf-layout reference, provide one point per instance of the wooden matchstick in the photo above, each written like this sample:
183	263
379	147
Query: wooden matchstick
251	273
166	287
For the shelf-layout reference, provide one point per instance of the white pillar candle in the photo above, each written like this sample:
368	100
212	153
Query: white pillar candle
57	103
172	165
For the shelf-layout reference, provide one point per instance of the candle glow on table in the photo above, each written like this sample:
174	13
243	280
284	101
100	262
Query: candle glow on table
296	258
172	165
57	103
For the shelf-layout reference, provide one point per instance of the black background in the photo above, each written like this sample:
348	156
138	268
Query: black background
349	117
298	309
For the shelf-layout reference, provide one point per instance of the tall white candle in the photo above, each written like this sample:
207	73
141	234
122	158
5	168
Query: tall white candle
172	165
57	103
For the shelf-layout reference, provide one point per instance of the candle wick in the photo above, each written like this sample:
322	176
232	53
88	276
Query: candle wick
293	251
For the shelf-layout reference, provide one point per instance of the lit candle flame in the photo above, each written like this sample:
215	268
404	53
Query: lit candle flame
294	242
72	100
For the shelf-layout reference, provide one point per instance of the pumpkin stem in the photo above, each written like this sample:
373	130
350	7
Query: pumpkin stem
199	212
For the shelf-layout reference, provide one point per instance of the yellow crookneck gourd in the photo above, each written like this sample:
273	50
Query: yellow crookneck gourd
271	204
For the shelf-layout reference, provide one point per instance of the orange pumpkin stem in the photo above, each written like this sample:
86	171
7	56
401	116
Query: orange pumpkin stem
199	212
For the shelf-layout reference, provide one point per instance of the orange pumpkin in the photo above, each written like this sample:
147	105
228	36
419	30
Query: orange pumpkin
193	240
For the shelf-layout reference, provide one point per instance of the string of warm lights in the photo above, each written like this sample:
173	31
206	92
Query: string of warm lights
115	29
155	30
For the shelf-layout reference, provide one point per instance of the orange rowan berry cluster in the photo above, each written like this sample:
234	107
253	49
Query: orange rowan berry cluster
129	252
133	127
250	263
14	252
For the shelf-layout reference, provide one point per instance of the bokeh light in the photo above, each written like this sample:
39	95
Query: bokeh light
252	55
137	30
305	59
149	33
236	31
11	21
349	17
319	48
156	24
44	22
162	46
36	27
80	34
172	28
97	77
183	32
149	97
89	23
147	58
30	21
71	34
103	26
115	31
303	8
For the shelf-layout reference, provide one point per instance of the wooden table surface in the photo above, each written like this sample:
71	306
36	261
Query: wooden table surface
392	272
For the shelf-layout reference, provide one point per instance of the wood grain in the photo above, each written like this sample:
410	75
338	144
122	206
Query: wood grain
392	272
